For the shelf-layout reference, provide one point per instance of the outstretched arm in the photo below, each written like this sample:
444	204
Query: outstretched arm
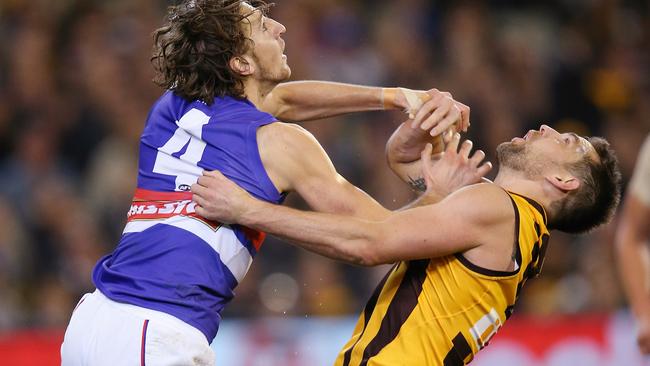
296	162
456	224
308	100
634	264
633	254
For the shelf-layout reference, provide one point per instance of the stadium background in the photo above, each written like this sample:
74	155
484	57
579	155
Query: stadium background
75	87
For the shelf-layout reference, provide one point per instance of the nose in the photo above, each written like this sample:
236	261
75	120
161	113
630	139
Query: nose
545	129
280	28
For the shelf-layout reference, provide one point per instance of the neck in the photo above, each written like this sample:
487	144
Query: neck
517	182
256	91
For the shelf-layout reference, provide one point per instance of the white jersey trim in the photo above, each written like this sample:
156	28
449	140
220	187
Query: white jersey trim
223	240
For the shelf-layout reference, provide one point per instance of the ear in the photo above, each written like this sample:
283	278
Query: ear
241	65
563	183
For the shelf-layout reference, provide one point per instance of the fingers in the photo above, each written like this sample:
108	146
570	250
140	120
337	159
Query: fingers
440	113
205	183
465	148
200	210
199	189
452	146
199	200
464	119
484	169
448	135
477	158
447	123
212	173
204	180
426	109
445	106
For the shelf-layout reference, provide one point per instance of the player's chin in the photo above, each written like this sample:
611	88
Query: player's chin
286	72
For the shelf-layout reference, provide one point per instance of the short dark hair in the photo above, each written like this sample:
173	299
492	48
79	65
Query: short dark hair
597	198
192	51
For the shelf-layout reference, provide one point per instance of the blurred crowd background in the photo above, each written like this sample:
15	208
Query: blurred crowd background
75	89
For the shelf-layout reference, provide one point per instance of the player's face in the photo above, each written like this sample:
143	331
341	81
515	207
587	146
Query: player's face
540	149
267	53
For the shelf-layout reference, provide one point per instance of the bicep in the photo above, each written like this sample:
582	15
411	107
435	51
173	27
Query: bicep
325	190
450	226
296	158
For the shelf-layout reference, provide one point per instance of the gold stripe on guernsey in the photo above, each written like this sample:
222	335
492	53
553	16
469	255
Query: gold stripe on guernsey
374	322
360	327
444	310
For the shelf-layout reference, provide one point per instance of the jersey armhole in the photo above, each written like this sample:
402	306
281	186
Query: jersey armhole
256	159
517	253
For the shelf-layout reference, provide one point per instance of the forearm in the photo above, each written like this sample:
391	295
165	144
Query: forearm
346	239
634	269
307	100
403	151
406	143
633	254
429	198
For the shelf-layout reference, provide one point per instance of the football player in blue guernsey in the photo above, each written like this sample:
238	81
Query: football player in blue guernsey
160	293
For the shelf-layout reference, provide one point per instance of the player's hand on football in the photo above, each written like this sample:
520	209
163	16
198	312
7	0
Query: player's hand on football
434	117
441	113
219	199
454	168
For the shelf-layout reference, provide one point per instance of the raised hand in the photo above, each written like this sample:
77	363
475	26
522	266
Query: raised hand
219	199
454	168
441	113
433	113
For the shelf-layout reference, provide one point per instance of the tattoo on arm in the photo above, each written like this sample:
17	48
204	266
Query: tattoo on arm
417	184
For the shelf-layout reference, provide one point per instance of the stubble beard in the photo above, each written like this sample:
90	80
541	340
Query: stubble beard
518	157
269	76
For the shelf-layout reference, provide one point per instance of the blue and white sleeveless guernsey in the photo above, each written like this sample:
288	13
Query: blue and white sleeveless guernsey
170	259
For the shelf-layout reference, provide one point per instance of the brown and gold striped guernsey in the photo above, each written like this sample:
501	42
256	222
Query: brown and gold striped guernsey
442	311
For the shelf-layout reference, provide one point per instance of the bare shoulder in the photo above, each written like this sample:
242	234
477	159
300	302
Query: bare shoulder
287	142
282	132
291	155
482	198
482	203
491	219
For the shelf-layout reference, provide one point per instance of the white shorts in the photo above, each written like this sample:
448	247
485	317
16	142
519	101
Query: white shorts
104	332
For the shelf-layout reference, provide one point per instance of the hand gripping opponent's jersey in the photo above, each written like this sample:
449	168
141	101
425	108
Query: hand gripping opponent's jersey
442	311
169	259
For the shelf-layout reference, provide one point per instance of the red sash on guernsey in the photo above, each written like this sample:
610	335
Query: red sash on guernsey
154	205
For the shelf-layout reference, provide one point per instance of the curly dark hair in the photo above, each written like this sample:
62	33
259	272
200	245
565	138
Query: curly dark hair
192	51
596	200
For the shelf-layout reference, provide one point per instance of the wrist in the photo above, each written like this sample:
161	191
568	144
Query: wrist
251	213
388	96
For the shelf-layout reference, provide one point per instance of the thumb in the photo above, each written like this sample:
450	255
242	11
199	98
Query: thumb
213	173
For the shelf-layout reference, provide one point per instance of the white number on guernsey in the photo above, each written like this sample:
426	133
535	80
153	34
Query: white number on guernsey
485	328
185	166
